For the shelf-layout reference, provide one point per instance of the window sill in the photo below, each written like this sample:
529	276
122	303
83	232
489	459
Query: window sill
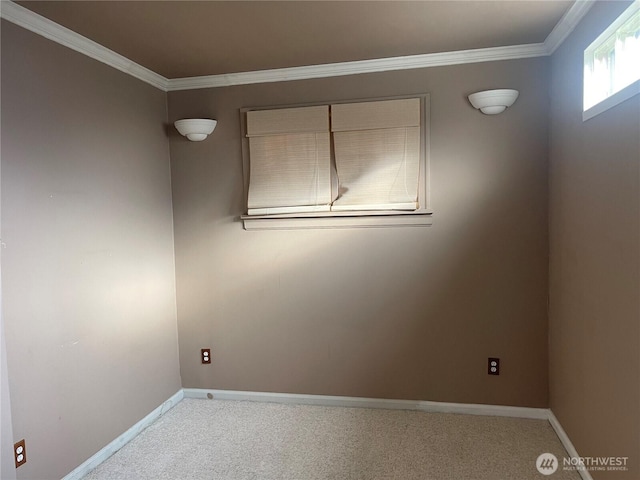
319	220
617	98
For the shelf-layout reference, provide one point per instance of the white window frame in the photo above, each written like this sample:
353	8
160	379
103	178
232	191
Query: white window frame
618	96
346	219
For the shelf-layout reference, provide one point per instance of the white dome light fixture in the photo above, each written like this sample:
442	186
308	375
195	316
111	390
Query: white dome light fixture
492	102
195	129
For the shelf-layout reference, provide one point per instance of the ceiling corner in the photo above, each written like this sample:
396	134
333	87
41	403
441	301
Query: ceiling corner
567	24
44	27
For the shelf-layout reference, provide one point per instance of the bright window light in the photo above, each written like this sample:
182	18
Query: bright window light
612	61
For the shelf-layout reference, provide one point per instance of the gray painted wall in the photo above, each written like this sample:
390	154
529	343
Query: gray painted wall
88	267
594	260
409	313
395	313
7	468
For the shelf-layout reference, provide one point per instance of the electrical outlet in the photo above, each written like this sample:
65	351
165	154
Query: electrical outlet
205	353
493	366
20	453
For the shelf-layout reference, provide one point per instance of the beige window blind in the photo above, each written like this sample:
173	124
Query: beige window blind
290	160
377	154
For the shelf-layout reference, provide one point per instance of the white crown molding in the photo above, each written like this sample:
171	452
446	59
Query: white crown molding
25	18
359	67
567	24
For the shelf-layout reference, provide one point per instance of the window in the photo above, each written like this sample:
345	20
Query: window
290	160
355	164
377	151
612	64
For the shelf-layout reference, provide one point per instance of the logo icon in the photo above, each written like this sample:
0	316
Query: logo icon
547	463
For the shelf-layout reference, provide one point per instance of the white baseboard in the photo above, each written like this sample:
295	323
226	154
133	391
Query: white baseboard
125	438
327	400
335	401
566	443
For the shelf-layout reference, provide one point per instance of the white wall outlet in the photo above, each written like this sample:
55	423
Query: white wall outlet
20	453
494	366
206	355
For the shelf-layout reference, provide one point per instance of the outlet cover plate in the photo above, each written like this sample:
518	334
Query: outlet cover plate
20	453
205	355
493	366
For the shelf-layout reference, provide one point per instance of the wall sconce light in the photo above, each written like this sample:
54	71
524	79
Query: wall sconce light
195	129
492	102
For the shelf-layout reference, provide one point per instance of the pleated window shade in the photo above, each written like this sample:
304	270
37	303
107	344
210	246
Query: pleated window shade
290	160
377	154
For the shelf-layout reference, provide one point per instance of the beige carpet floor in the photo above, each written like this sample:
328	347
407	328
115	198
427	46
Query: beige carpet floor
232	440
